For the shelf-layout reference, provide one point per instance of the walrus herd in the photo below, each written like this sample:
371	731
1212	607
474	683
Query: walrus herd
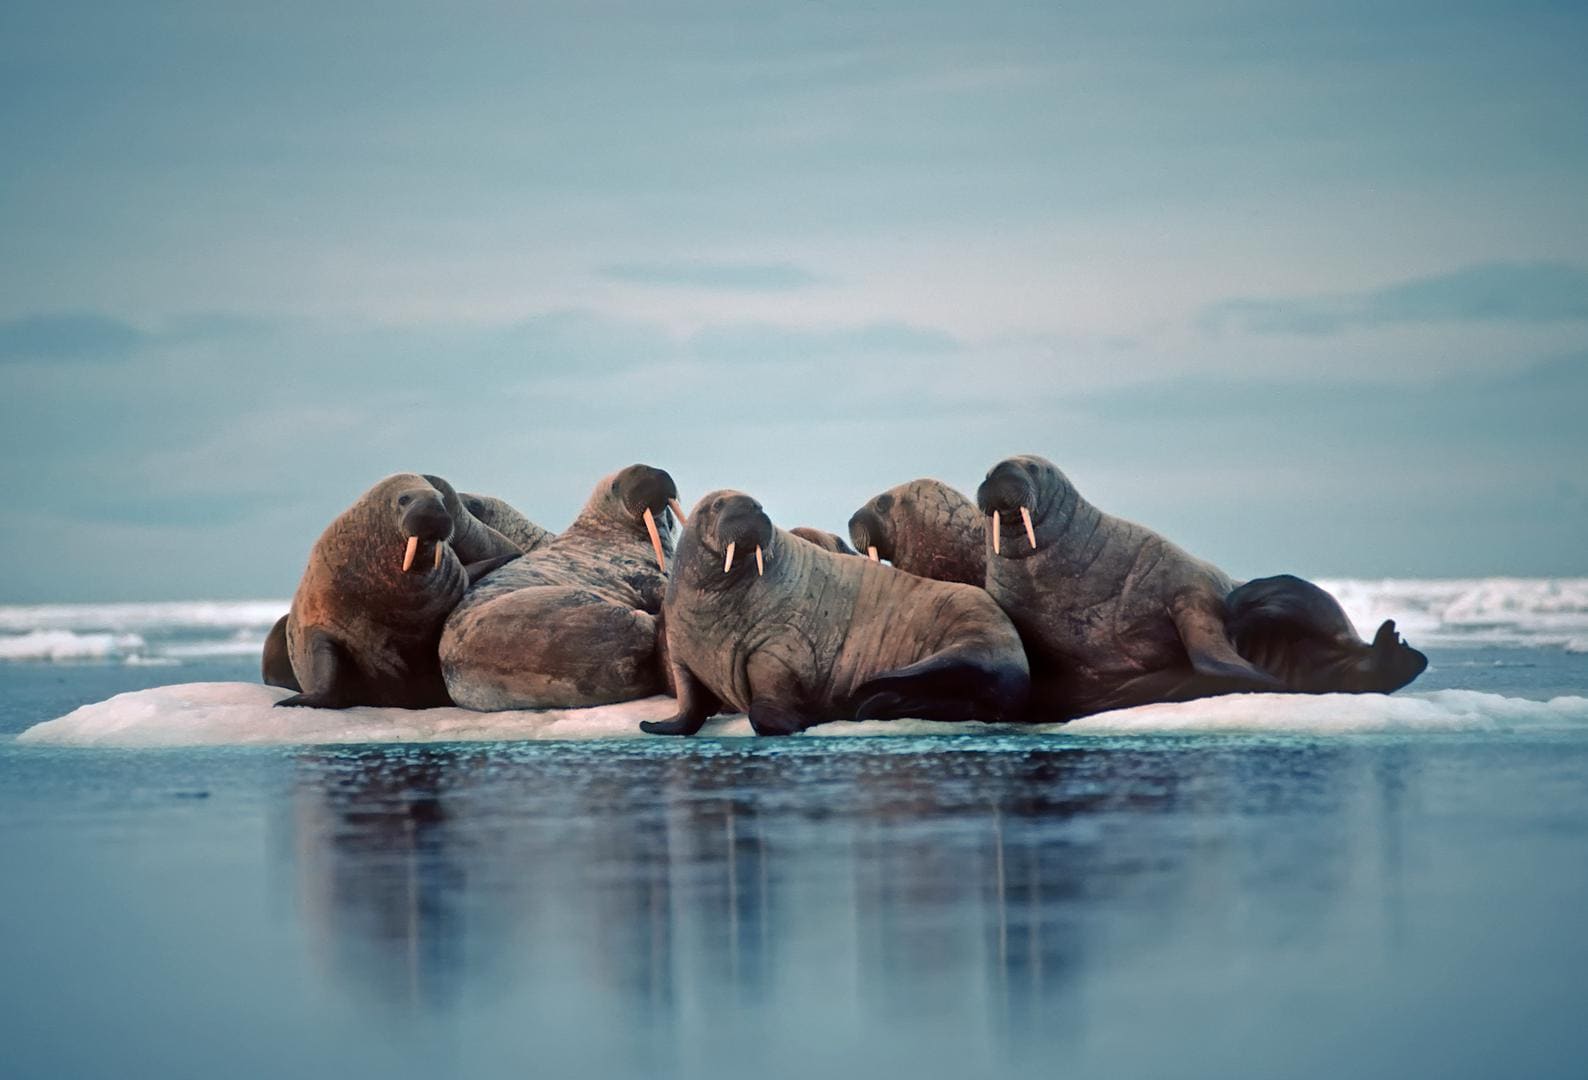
1027	605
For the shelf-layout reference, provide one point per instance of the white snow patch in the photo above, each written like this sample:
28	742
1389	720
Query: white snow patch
208	714
66	645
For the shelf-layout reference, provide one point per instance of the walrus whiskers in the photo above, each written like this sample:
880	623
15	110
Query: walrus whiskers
871	551
678	512
760	565
727	563
408	555
656	539
996	532
1031	532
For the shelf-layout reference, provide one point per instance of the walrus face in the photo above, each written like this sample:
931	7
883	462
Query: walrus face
731	524
644	493
871	530
1019	485
421	516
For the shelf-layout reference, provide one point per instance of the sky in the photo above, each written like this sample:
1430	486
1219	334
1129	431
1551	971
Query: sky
1303	287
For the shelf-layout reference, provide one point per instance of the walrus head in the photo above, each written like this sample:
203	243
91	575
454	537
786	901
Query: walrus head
419	513
729	526
642	493
1023	487
871	530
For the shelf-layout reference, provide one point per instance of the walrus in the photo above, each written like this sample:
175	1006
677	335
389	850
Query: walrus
478	546
925	528
381	579
825	540
1113	615
574	622
763	622
507	520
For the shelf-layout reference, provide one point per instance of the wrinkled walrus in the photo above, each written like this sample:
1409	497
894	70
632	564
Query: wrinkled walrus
926	528
368	612
574	622
1113	615
507	520
761	621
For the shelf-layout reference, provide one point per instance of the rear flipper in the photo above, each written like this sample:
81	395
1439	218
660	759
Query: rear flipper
1299	632
275	666
948	686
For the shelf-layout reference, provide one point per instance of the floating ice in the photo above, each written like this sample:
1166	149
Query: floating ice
207	714
63	645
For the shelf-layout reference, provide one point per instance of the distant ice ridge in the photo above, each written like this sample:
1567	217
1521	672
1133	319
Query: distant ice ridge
1537	612
211	714
159	633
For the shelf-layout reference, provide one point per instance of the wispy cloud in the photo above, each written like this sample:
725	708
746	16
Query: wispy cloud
77	336
1538	292
740	277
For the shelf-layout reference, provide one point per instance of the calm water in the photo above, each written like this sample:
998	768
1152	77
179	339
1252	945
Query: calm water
957	907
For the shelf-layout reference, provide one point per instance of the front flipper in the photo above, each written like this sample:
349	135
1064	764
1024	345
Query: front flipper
696	705
331	679
947	686
1208	647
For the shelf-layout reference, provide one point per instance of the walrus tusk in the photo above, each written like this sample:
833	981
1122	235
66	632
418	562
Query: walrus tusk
1031	532
871	552
439	547
656	539
678	511
996	530
760	565
408	556
727	564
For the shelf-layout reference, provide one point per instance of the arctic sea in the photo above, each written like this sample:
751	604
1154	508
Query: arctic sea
1252	886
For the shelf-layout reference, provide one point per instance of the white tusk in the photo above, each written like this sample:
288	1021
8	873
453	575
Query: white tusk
1031	532
408	556
678	511
439	547
996	531
727	564
656	539
872	553
760	565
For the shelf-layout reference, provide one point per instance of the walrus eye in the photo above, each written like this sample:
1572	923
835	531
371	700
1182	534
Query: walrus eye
405	500
884	503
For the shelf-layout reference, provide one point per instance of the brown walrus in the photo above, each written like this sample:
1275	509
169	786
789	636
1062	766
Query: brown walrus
926	528
478	546
507	520
368	612
1113	615
575	621
825	540
761	621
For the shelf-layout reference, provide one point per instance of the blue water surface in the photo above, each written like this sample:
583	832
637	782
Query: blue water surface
1208	905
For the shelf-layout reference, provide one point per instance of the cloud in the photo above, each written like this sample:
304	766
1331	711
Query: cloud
1538	292
81	336
738	277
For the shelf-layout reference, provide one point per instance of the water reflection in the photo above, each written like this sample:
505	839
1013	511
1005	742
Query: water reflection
890	885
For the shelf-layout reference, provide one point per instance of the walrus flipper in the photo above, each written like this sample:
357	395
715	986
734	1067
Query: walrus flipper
477	570
696	705
275	665
948	686
1212	655
330	676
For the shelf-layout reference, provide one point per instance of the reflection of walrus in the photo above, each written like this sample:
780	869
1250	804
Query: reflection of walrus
924	527
574	622
478	546
825	540
367	615
1114	615
763	622
506	519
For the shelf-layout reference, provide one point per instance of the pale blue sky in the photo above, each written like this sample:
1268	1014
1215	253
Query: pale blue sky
1304	287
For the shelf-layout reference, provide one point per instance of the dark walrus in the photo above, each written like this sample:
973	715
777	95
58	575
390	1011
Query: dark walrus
506	519
575	621
761	621
1114	615
368	612
925	528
